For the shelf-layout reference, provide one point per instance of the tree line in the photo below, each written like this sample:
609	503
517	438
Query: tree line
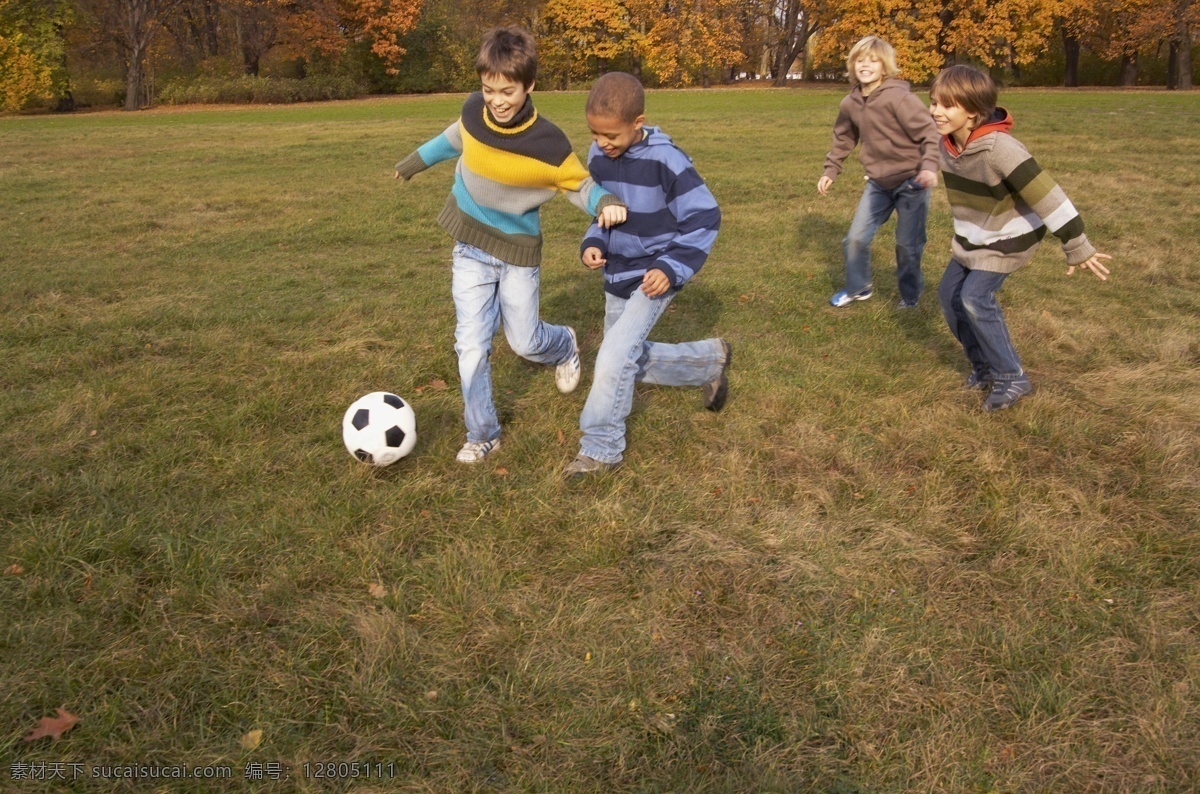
49	47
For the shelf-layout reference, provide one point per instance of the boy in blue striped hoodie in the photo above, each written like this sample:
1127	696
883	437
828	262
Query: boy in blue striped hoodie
670	229
512	161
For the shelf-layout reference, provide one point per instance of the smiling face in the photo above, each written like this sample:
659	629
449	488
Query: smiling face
503	96
868	69
614	135
951	120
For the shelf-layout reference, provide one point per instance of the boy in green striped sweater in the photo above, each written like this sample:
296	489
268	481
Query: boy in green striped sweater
1003	204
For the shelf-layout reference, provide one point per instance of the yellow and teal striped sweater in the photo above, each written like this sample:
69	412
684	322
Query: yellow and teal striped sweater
503	177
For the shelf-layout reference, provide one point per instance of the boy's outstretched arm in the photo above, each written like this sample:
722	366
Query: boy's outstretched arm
444	147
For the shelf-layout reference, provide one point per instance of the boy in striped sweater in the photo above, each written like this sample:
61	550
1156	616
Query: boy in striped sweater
1003	204
512	162
671	227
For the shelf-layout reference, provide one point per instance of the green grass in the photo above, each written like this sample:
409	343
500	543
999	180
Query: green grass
851	580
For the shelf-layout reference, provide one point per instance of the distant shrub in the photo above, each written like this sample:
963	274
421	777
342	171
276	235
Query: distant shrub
97	92
246	89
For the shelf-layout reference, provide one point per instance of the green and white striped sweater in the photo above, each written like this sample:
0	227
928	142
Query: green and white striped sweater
1003	202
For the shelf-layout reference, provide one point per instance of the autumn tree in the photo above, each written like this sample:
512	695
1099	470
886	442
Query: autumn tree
32	51
132	26
792	24
916	28
687	41
582	38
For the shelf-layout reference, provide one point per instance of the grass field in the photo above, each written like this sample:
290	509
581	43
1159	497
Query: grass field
850	580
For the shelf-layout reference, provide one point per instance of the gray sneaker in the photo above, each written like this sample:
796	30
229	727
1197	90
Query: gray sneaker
566	374
583	466
716	391
1005	393
475	451
979	381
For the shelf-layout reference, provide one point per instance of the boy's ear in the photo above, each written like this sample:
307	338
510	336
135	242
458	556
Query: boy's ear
529	87
639	122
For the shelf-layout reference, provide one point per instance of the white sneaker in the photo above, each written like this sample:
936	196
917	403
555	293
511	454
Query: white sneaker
566	374
475	451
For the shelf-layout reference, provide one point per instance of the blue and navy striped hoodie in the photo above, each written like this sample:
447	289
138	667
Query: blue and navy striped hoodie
673	217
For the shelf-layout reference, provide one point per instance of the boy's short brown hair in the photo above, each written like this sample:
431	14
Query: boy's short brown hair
872	45
968	88
509	51
617	95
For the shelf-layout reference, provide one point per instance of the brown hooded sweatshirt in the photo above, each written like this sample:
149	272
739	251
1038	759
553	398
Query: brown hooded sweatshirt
896	131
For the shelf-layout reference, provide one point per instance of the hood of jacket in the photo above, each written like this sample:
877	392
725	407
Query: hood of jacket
1001	121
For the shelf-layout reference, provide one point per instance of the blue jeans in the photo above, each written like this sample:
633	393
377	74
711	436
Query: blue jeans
911	204
487	292
625	357
968	299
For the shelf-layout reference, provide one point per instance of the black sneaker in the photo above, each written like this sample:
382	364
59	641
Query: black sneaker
1005	393
716	391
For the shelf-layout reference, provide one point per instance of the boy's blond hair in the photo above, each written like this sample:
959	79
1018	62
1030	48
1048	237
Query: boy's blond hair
872	45
968	88
510	52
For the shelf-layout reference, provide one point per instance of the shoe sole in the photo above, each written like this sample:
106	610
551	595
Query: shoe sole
720	392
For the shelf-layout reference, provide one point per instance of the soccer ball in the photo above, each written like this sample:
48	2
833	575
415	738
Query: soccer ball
379	428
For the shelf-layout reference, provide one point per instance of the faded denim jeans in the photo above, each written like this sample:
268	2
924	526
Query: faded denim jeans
968	299
489	292
626	357
910	202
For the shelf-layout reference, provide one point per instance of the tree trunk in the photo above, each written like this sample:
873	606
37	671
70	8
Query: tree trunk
1071	51
1129	70
134	79
1172	65
1184	65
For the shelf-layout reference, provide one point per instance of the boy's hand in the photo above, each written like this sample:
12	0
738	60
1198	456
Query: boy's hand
593	258
823	185
612	215
927	179
655	283
1094	264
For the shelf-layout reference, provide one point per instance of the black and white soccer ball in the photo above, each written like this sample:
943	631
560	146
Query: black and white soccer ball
379	428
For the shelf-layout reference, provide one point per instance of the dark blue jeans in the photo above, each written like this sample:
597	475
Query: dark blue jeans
910	202
968	299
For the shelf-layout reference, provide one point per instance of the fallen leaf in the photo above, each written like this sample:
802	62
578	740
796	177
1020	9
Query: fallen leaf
14	570
437	384
54	727
562	438
252	739
431	694
426	514
501	471
377	590
806	328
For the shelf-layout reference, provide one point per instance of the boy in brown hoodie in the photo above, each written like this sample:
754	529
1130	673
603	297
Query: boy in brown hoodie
900	155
